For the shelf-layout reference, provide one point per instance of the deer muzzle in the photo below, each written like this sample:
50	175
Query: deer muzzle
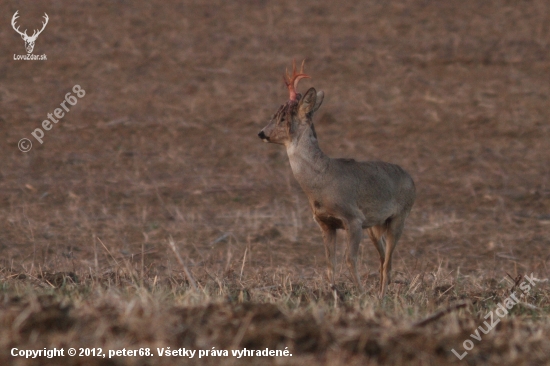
263	136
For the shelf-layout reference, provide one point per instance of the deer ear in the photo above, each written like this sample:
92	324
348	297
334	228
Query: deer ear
308	102
319	101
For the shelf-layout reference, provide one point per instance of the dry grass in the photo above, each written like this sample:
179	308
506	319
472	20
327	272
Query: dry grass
163	148
120	309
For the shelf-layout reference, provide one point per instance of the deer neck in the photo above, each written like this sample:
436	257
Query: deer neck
307	161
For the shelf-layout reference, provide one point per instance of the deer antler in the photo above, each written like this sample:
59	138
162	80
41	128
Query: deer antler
24	34
13	19
291	81
43	26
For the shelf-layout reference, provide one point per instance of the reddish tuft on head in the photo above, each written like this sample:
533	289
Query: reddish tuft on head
291	81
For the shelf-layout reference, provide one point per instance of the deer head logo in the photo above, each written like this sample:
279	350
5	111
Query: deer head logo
29	41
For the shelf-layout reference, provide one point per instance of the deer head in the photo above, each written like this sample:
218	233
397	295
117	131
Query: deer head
295	115
29	41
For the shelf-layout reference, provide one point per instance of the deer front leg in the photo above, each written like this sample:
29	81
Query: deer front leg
329	239
354	232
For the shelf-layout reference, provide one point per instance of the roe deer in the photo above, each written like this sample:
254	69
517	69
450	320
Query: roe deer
342	193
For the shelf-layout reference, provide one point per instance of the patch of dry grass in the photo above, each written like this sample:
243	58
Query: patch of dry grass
120	309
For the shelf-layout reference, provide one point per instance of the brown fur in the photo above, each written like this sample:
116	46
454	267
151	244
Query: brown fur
343	193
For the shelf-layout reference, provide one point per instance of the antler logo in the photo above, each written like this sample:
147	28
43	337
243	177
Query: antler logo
29	41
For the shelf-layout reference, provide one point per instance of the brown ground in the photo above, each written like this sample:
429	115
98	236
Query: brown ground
163	145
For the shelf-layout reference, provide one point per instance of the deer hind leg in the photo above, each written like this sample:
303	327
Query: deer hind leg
329	239
394	230
354	231
376	234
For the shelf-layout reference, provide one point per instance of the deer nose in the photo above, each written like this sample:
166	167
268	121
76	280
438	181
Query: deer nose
262	135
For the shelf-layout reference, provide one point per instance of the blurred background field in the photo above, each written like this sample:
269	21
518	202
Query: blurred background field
164	145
